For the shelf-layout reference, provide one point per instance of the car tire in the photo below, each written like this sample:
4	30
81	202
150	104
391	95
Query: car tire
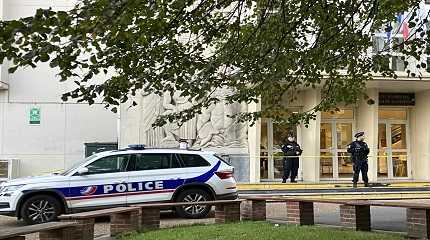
193	195
40	209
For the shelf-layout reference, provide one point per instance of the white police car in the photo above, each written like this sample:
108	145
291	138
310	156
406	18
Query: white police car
123	177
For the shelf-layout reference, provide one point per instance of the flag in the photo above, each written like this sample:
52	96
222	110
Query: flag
388	30
399	18
405	30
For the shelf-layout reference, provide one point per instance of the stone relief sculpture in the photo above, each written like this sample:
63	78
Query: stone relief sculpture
210	129
152	107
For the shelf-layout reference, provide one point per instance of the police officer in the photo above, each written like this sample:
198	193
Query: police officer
359	152
292	151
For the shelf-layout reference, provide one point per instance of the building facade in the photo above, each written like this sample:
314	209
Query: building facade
397	128
397	131
39	130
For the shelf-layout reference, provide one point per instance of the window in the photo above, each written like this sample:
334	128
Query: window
397	63
193	160
109	164
398	44
341	114
378	44
154	161
394	114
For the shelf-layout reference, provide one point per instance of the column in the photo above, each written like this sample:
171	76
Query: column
254	135
367	121
420	137
310	138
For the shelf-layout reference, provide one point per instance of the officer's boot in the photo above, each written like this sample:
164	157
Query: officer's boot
366	184
284	180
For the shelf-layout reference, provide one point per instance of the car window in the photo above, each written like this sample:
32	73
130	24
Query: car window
153	161
193	160
110	164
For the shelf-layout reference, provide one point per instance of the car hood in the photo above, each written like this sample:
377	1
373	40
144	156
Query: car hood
35	179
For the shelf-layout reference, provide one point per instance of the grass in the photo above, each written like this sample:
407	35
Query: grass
258	231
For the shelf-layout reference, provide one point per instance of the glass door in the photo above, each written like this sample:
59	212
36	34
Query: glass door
393	149
335	162
326	150
271	159
393	144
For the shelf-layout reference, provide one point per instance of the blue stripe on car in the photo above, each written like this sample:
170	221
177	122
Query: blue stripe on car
97	190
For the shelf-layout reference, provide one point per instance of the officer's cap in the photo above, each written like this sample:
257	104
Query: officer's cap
359	134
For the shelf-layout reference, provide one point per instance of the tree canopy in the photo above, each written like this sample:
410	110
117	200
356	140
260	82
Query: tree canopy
260	49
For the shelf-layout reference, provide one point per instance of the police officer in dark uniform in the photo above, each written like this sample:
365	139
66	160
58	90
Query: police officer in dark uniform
292	151
359	152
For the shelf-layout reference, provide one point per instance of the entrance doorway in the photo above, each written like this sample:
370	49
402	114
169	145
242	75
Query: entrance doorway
393	144
271	159
335	135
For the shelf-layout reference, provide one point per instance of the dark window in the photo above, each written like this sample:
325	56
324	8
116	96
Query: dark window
193	160
110	164
153	161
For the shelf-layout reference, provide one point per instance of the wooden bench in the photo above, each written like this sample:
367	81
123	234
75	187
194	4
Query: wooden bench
353	213
225	211
47	231
122	219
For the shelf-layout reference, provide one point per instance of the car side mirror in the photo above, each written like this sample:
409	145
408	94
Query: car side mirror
83	171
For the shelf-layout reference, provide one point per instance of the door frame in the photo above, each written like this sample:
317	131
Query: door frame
388	123
334	150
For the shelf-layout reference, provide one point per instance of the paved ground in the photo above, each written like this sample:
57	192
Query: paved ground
383	218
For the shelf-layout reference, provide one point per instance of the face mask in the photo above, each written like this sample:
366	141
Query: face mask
291	139
361	139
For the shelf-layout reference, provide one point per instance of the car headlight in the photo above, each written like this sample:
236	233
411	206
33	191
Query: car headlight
11	188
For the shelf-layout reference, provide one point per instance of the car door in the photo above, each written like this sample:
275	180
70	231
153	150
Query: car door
104	184
154	177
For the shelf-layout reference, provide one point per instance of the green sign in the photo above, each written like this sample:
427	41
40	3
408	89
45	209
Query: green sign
35	115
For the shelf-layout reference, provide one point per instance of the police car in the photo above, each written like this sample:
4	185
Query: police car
119	178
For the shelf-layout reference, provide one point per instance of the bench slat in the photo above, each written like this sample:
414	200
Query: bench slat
178	204
97	213
34	229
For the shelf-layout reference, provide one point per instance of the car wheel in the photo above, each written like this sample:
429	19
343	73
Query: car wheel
196	211
40	209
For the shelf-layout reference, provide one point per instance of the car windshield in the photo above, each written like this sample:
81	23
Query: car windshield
77	164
